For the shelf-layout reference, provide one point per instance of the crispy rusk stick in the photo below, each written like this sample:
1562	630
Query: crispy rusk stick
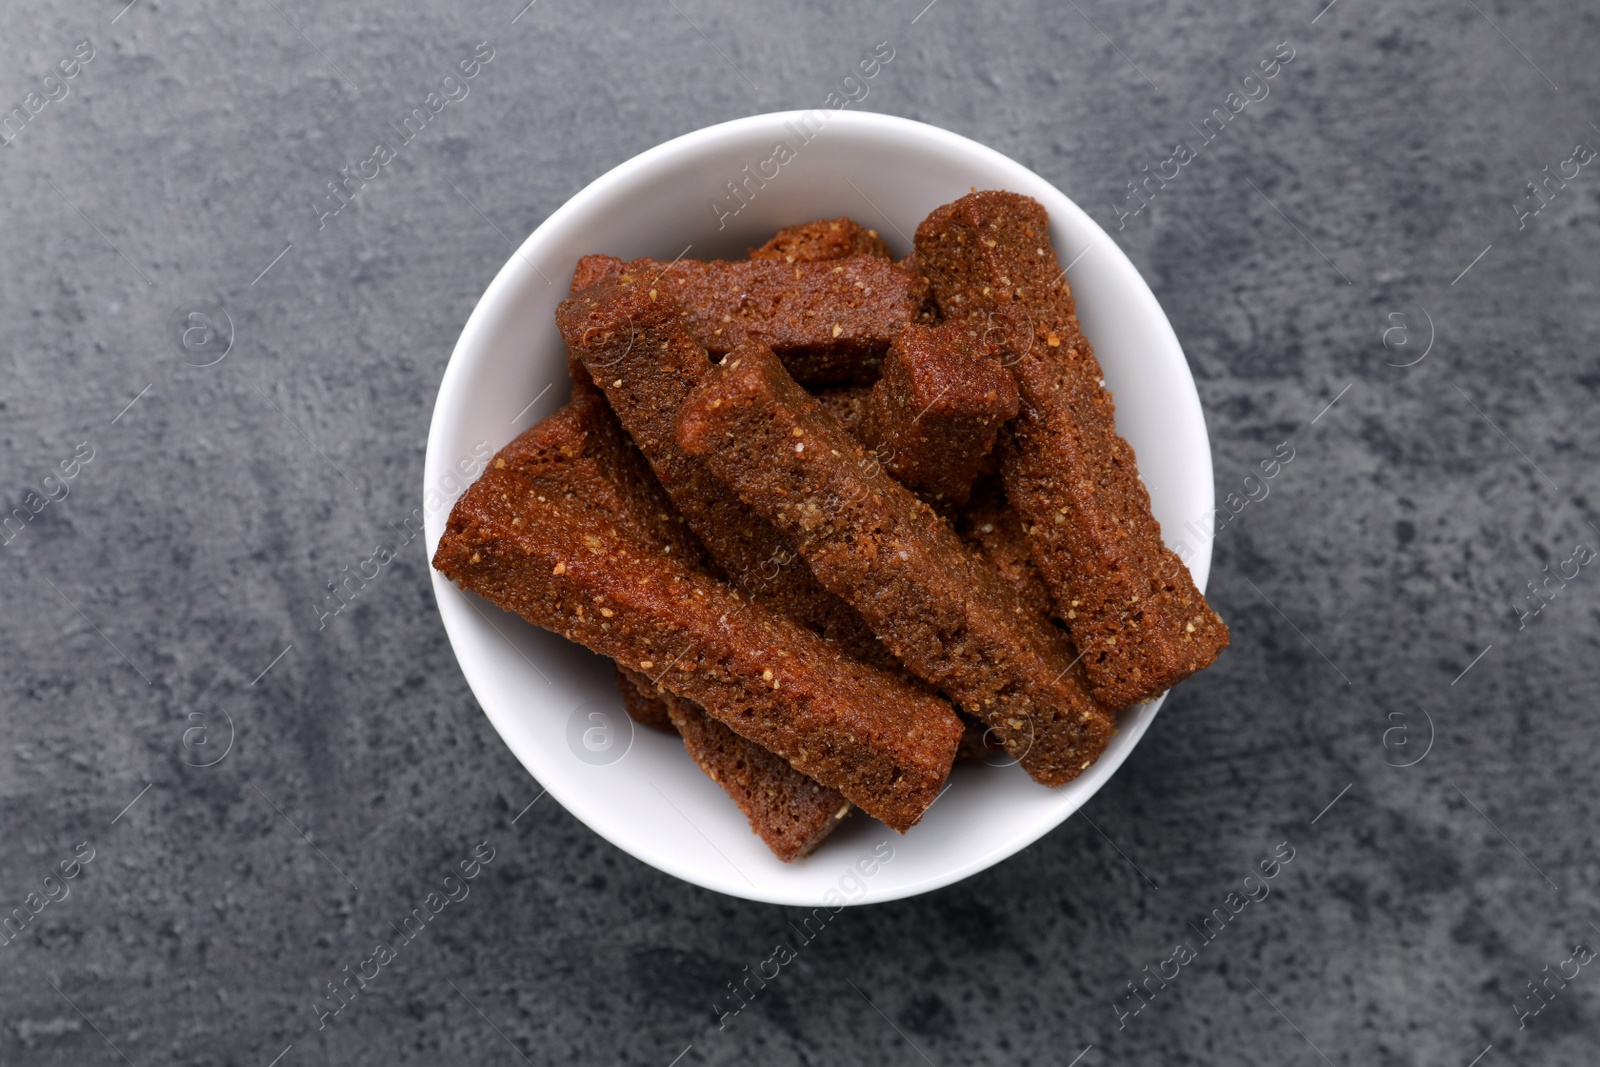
629	490
989	524
822	240
590	269
582	384
638	350
1129	601
792	813
934	416
978	741
787	810
951	620
829	322
995	532
936	411
848	404
541	535
642	702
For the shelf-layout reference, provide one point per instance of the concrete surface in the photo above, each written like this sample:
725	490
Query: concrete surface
1378	594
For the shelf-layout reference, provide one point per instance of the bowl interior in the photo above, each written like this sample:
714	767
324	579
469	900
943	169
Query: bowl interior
715	193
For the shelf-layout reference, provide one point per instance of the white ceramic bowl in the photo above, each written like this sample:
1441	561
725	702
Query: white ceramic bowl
555	703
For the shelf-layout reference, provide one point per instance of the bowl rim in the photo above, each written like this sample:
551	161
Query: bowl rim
513	275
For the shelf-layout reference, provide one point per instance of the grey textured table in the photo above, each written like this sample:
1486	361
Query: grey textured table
1310	246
